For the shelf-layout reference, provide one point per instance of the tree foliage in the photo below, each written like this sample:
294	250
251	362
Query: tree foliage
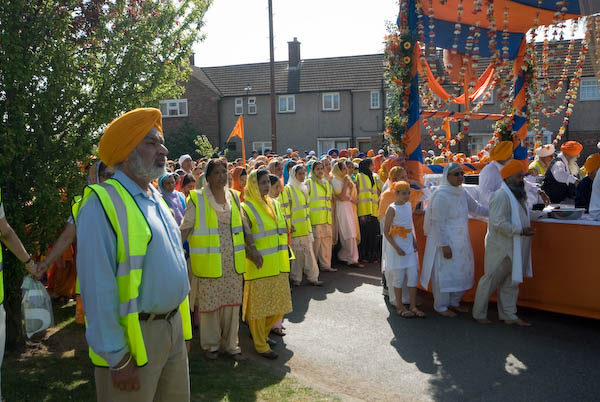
67	68
204	148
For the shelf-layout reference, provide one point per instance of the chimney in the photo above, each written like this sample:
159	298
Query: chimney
192	60
294	54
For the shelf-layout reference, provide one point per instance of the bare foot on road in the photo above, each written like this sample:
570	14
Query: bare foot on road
484	321
518	322
447	313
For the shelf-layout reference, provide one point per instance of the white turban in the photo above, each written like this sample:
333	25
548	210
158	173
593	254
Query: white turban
545	150
183	158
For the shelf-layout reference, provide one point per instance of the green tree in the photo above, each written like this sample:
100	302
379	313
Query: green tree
204	147
67	68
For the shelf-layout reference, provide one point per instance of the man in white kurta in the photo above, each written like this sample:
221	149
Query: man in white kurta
448	257
507	248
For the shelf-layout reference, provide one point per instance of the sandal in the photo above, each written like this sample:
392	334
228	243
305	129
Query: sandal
418	313
405	313
277	331
211	355
238	357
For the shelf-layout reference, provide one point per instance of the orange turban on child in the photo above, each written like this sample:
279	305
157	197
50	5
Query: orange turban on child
502	151
370	153
126	132
400	185
571	148
592	163
512	167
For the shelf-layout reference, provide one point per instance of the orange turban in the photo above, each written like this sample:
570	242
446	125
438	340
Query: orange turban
571	148
343	153
512	167
378	160
353	152
400	185
125	133
370	153
592	163
502	151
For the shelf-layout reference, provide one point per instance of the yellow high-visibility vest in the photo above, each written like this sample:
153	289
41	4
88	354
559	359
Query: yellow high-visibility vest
133	235
368	198
205	245
295	208
319	202
270	239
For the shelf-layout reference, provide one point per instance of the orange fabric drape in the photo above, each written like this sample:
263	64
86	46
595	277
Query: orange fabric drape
481	87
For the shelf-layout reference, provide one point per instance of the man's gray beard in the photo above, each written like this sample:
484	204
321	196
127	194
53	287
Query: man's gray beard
144	172
518	190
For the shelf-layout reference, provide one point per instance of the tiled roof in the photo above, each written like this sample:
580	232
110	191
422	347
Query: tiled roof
338	73
327	74
202	77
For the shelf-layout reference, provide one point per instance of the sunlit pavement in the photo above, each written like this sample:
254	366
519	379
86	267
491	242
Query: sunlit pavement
344	339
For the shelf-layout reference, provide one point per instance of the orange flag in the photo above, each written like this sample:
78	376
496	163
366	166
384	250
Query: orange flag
238	131
446	128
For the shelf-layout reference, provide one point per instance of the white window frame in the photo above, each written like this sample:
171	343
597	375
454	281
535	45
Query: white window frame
371	103
238	106
490	100
332	108
589	82
169	105
252	105
287	98
320	149
260	146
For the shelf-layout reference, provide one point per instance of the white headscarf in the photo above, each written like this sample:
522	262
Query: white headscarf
293	181
445	190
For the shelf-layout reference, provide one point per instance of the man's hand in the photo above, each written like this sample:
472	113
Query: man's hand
128	378
528	232
447	252
33	271
292	229
188	345
544	197
400	251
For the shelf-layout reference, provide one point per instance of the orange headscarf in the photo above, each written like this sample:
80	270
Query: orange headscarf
235	182
125	133
592	163
571	148
370	153
377	160
512	167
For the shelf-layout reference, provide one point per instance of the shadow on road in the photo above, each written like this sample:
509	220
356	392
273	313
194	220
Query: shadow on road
497	362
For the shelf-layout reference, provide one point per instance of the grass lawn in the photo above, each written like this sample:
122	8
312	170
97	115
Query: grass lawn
56	367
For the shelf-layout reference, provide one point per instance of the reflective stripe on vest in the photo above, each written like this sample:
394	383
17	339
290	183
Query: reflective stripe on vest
367	196
128	222
205	245
297	213
320	203
1	265
270	239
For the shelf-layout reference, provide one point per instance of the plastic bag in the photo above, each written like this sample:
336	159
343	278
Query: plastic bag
36	306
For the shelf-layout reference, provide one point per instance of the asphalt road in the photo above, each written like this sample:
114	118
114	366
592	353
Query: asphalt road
344	338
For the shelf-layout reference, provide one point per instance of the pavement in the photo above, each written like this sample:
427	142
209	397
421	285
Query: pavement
345	339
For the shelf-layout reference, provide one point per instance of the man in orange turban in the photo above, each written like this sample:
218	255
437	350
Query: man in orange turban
584	189
489	178
507	248
562	176
127	325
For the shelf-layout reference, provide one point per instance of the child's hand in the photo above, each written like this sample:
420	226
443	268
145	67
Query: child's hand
400	251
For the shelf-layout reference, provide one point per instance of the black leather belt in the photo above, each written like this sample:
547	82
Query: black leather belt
152	316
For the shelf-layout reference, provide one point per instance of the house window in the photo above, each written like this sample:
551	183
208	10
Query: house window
375	103
287	104
325	144
261	146
588	89
364	144
331	101
239	106
174	108
252	105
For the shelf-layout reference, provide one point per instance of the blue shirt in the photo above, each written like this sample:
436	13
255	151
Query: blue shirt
164	283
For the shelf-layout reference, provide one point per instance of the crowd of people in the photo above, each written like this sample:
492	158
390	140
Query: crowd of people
164	246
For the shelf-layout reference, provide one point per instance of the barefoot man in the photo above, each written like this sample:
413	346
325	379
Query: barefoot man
507	248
